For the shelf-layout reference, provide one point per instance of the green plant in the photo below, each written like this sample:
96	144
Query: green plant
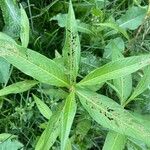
63	72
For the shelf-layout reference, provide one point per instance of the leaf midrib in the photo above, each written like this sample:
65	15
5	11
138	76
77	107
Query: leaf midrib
40	69
101	108
90	80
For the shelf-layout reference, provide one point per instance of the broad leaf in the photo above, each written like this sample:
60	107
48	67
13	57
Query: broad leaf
9	142
43	108
112	116
11	15
24	33
133	18
18	87
71	50
68	114
114	141
5	136
33	64
116	69
51	132
142	85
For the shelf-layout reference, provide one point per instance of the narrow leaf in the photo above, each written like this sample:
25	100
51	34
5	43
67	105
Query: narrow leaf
4	65
115	27
116	69
43	108
69	112
142	85
11	15
112	116
18	87
51	132
133	18
24	33
33	64
71	50
123	84
114	141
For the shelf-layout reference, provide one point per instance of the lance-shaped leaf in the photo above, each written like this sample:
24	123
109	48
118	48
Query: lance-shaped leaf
24	33
51	132
114	141
112	116
43	108
116	69
133	18
123	84
115	27
71	50
18	87
33	64
11	15
69	112
142	85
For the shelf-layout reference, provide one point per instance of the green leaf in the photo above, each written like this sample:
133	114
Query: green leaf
115	69
9	142
112	116
71	50
123	84
115	27
51	132
4	65
114	141
33	64
7	38
54	93
11	15
133	18
11	145
68	114
82	27
4	70
18	87
43	108
5	136
142	85
24	33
